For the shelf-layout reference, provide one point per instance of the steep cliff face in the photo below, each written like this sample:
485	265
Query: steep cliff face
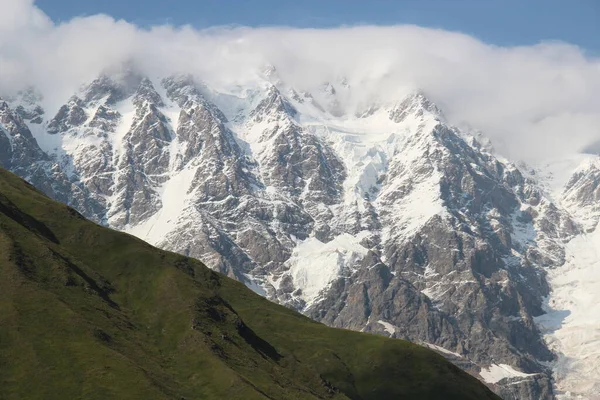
384	219
20	153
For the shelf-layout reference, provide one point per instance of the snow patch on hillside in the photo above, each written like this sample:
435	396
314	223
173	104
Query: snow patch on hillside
174	195
389	328
497	372
441	349
314	265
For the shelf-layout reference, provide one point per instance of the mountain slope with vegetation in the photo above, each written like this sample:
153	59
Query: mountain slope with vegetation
87	312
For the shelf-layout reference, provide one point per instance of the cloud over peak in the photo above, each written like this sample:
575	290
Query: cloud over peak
532	101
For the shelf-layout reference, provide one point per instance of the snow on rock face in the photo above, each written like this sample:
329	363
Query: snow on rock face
174	195
384	219
442	350
495	373
389	328
582	193
571	325
314	264
20	153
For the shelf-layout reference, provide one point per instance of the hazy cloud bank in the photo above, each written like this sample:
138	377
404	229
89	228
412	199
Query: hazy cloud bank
534	101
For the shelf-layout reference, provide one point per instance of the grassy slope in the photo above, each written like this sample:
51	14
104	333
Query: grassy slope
86	312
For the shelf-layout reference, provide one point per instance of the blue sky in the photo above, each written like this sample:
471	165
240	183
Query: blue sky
501	22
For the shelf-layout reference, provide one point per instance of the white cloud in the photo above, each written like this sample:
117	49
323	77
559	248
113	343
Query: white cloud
535	101
20	15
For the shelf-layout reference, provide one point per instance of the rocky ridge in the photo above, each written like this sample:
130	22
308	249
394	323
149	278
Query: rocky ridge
386	220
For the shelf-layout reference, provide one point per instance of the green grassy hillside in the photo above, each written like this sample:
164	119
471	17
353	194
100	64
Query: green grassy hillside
90	313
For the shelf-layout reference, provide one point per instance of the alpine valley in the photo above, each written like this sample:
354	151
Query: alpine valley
380	218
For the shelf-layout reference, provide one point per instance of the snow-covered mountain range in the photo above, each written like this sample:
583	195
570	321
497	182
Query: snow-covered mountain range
383	219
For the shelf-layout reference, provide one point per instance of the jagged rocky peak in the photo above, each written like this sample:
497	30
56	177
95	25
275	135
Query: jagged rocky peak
294	160
305	97
149	122
417	104
582	193
188	93
15	129
96	104
479	140
70	115
181	88
112	86
20	152
367	109
7	127
273	106
328	89
330	94
146	92
105	119
270	74
294	95
269	71
149	119
35	114
584	185
27	104
201	124
336	86
3	104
